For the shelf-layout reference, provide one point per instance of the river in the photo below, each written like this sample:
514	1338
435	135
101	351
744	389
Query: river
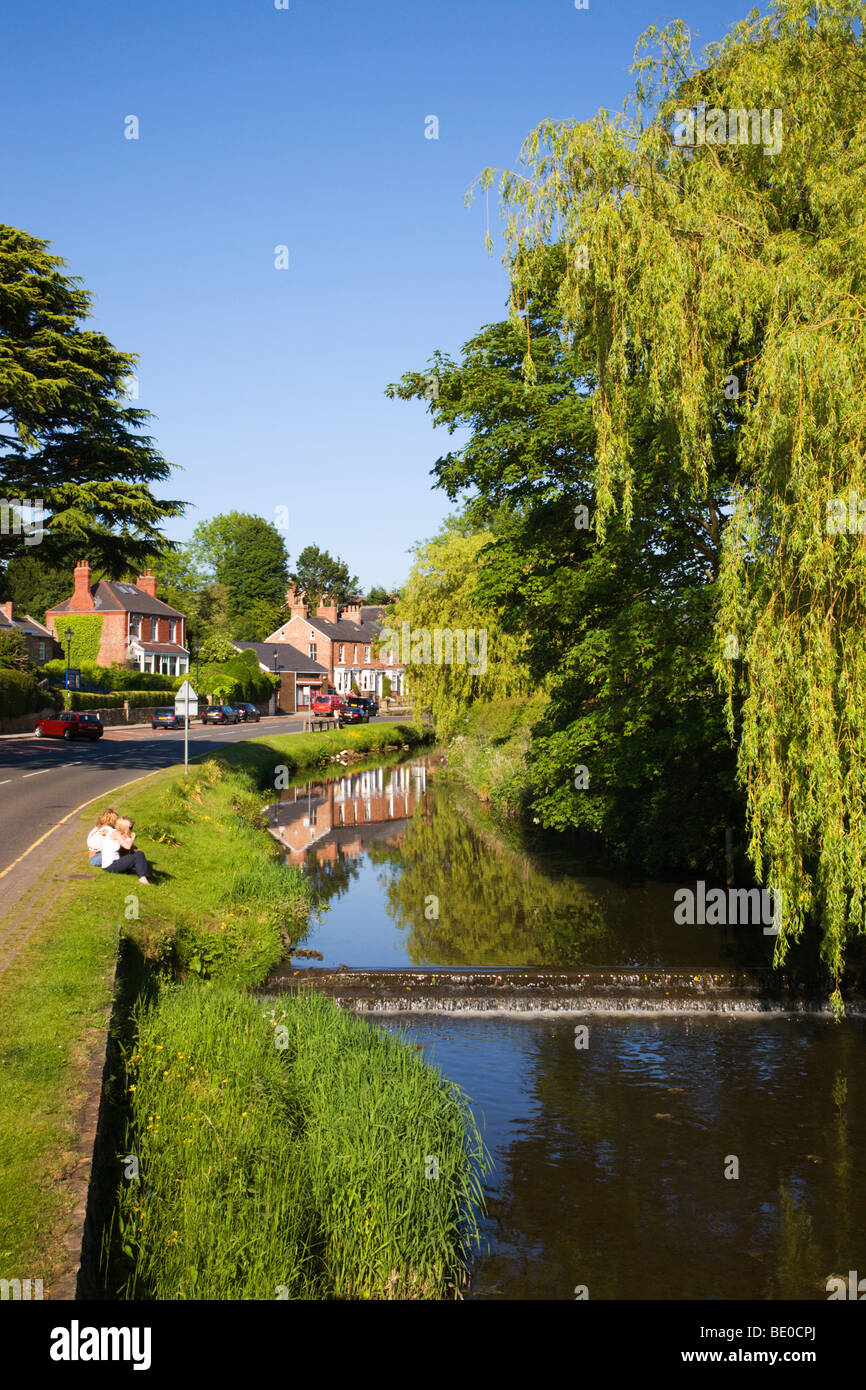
699	1157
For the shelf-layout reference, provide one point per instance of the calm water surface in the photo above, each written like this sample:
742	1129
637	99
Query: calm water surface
609	1162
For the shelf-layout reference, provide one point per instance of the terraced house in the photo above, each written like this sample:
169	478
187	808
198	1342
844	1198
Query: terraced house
344	641
135	625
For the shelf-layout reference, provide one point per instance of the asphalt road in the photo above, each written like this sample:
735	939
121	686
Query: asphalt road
42	779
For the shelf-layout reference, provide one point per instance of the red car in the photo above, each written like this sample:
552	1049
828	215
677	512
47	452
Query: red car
70	724
327	704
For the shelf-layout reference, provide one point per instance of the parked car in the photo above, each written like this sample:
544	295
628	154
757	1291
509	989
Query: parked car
328	704
368	702
70	724
354	711
220	714
166	718
248	713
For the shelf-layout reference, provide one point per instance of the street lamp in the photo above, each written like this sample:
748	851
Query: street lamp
68	634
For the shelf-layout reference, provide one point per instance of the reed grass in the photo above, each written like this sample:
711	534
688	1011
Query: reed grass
289	1152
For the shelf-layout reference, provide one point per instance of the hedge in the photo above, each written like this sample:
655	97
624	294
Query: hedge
18	693
115	699
114	678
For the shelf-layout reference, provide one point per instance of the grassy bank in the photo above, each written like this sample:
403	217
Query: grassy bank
490	755
288	1152
216	919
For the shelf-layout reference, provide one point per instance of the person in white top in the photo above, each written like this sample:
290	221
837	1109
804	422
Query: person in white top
96	839
118	854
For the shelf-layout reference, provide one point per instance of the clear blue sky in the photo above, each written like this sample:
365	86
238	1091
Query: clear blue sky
303	127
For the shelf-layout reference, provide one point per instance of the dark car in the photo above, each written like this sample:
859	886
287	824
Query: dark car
248	713
70	724
354	712
369	703
166	718
220	714
327	704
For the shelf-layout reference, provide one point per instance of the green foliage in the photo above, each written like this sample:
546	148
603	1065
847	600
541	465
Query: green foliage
34	586
86	629
217	648
322	578
706	261
380	597
18	693
13	650
136	699
68	434
442	593
116	678
264	1158
247	555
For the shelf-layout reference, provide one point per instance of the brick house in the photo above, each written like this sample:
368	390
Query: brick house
343	640
300	678
41	646
337	819
136	625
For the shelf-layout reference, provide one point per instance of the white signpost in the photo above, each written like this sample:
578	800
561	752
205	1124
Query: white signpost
186	703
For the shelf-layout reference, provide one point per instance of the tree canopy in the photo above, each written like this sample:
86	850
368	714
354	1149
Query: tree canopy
247	555
70	441
692	267
323	578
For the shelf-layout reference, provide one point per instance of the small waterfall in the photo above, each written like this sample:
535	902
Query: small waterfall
538	992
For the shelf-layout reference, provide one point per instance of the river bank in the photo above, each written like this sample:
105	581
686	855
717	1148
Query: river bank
216	919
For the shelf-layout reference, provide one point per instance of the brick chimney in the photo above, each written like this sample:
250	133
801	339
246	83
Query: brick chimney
352	613
329	612
82	598
147	582
297	603
7	609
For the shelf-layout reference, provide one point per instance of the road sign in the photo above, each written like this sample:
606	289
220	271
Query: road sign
186	700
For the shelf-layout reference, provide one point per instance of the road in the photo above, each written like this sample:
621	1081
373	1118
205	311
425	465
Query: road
42	780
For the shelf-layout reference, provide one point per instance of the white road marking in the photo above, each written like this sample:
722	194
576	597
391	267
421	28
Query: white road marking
38	774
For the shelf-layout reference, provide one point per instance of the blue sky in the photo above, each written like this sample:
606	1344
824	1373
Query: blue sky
302	127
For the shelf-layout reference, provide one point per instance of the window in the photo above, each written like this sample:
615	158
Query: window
139	620
41	651
342	656
356	653
311	651
172	630
148	663
154	628
367	655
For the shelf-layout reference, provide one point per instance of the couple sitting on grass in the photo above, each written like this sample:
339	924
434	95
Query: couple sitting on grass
109	846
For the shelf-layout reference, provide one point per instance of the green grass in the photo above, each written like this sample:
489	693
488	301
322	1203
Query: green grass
320	1189
289	1152
55	997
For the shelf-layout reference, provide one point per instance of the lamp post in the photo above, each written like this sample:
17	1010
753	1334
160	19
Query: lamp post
68	634
277	669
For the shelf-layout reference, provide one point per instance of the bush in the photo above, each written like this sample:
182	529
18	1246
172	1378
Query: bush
115	699
18	693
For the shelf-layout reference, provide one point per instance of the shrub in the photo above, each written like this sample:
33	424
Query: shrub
18	694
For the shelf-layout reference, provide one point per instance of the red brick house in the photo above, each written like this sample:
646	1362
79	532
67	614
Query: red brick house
136	625
300	678
40	645
344	641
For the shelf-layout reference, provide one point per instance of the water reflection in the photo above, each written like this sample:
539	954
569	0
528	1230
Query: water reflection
435	884
610	1162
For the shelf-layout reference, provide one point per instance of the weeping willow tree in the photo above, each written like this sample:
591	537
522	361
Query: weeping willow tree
450	640
714	231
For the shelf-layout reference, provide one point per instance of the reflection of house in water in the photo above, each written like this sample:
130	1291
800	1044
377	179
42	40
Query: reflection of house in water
339	817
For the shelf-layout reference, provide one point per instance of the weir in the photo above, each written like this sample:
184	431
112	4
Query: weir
540	991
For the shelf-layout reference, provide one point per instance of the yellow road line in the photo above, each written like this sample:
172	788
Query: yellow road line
109	792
